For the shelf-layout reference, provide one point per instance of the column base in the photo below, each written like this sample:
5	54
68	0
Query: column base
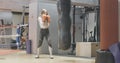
104	57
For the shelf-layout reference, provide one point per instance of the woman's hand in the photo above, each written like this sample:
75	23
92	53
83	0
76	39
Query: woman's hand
44	17
48	18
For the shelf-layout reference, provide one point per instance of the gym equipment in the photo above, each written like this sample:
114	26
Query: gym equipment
73	34
64	24
5	36
29	46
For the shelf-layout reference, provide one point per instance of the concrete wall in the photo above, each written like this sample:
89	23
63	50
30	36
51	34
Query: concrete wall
78	29
93	2
33	27
13	5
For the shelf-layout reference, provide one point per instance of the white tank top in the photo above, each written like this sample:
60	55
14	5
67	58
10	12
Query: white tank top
42	24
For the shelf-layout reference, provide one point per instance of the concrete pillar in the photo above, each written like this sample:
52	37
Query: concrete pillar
33	27
108	23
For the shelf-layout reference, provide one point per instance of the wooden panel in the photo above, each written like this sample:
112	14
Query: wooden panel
108	23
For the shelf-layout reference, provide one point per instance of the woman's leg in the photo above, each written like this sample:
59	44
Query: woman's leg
49	43
39	44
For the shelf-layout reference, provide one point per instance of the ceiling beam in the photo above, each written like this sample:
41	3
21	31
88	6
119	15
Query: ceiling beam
73	3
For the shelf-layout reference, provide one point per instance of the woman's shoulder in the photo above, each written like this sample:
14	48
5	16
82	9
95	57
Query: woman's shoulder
39	17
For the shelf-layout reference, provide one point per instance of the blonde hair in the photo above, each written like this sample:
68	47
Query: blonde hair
43	11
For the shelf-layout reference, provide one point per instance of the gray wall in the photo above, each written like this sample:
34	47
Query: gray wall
93	2
14	5
78	25
33	29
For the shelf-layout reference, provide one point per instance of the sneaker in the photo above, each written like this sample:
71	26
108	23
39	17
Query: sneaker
51	57
36	56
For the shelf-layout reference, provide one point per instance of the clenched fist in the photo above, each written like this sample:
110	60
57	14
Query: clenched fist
45	18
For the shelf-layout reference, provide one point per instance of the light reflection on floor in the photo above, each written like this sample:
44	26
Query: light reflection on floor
22	57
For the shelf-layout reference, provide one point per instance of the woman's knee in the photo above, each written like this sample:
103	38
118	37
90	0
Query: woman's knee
40	43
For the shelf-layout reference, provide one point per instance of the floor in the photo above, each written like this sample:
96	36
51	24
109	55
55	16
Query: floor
7	51
22	57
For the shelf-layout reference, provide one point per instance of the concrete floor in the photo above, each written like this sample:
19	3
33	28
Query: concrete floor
22	57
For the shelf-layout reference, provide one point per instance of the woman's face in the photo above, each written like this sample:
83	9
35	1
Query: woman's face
45	12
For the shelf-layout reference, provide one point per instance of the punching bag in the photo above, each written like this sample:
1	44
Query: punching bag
64	24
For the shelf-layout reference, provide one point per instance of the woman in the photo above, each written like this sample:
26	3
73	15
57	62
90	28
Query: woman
44	21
